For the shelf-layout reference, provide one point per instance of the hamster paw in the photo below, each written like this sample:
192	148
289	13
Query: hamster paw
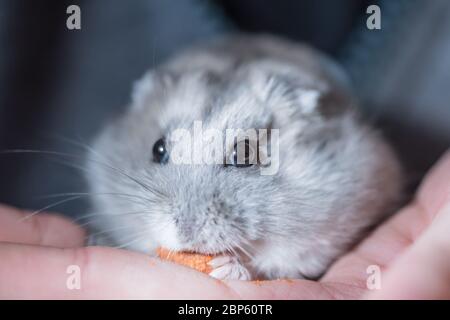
228	268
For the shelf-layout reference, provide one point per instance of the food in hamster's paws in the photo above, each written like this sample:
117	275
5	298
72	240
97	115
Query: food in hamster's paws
190	259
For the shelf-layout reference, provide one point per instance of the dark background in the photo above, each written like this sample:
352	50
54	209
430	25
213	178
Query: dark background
58	85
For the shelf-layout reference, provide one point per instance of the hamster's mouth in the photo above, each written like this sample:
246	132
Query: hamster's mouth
197	249
202	252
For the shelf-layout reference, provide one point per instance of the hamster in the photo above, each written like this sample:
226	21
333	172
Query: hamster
336	177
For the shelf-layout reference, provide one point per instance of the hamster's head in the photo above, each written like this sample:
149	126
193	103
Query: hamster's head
176	171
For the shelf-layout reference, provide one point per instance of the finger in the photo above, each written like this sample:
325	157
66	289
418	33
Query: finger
434	193
423	272
32	272
393	237
41	229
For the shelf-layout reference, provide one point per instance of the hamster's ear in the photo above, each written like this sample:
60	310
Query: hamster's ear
141	89
152	84
293	95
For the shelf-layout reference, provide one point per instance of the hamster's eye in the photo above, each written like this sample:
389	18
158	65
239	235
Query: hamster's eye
160	154
243	154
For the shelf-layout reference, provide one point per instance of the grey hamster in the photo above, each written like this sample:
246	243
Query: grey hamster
336	176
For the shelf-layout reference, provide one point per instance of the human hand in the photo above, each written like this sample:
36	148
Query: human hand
412	250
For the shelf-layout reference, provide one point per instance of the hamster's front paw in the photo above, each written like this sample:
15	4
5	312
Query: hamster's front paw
227	267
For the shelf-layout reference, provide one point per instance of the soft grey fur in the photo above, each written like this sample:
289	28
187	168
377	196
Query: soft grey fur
337	177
